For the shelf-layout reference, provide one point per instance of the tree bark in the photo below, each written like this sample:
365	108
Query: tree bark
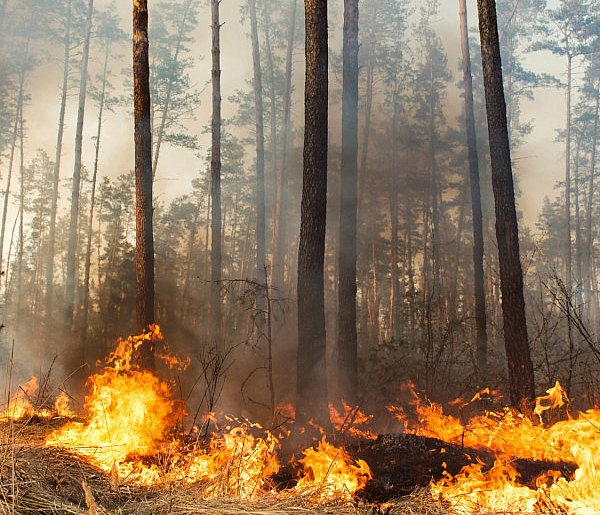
311	367
520	368
478	281
347	337
71	279
215	172
144	241
57	159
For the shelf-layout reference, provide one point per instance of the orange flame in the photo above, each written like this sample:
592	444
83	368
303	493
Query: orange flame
328	472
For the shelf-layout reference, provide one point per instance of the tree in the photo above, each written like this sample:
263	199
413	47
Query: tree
215	176
57	160
480	315
173	97
311	365
144	241
71	279
520	367
260	154
346	337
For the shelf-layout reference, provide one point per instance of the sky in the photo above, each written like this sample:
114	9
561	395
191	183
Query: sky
540	160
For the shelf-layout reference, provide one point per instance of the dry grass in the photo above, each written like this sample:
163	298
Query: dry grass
47	480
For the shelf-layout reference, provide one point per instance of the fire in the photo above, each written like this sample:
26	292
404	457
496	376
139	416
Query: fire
129	433
129	413
238	463
328	471
352	421
510	434
23	404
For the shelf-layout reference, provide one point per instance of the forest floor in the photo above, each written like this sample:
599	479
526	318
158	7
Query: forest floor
38	479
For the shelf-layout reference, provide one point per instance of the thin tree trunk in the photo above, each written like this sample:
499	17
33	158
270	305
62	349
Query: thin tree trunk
88	250
21	231
346	336
57	159
280	220
590	207
311	366
144	247
163	120
272	96
71	279
520	368
260	163
215	171
478	248
10	164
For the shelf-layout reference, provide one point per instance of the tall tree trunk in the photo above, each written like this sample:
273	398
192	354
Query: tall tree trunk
144	237
21	231
346	337
57	159
478	281
215	172
71	279
163	120
272	95
260	162
88	249
10	164
280	220
589	239
520	367
568	259
311	366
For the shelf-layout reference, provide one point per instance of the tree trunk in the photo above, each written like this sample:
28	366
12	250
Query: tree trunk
590	206
57	159
280	220
478	281
144	241
520	368
71	279
163	120
10	165
311	367
272	96
568	259
260	164
346	337
215	172
88	249
21	231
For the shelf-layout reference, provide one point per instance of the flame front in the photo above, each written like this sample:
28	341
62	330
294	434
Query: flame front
329	472
510	434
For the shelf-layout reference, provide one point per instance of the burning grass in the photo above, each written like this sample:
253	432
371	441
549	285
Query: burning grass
128	456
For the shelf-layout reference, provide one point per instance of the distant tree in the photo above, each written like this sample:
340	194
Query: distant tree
144	247
174	98
347	337
480	314
260	155
71	278
215	174
108	33
67	22
518	354
311	367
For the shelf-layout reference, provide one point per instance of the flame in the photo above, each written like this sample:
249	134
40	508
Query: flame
129	412
238	463
350	421
329	472
510	434
23	404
